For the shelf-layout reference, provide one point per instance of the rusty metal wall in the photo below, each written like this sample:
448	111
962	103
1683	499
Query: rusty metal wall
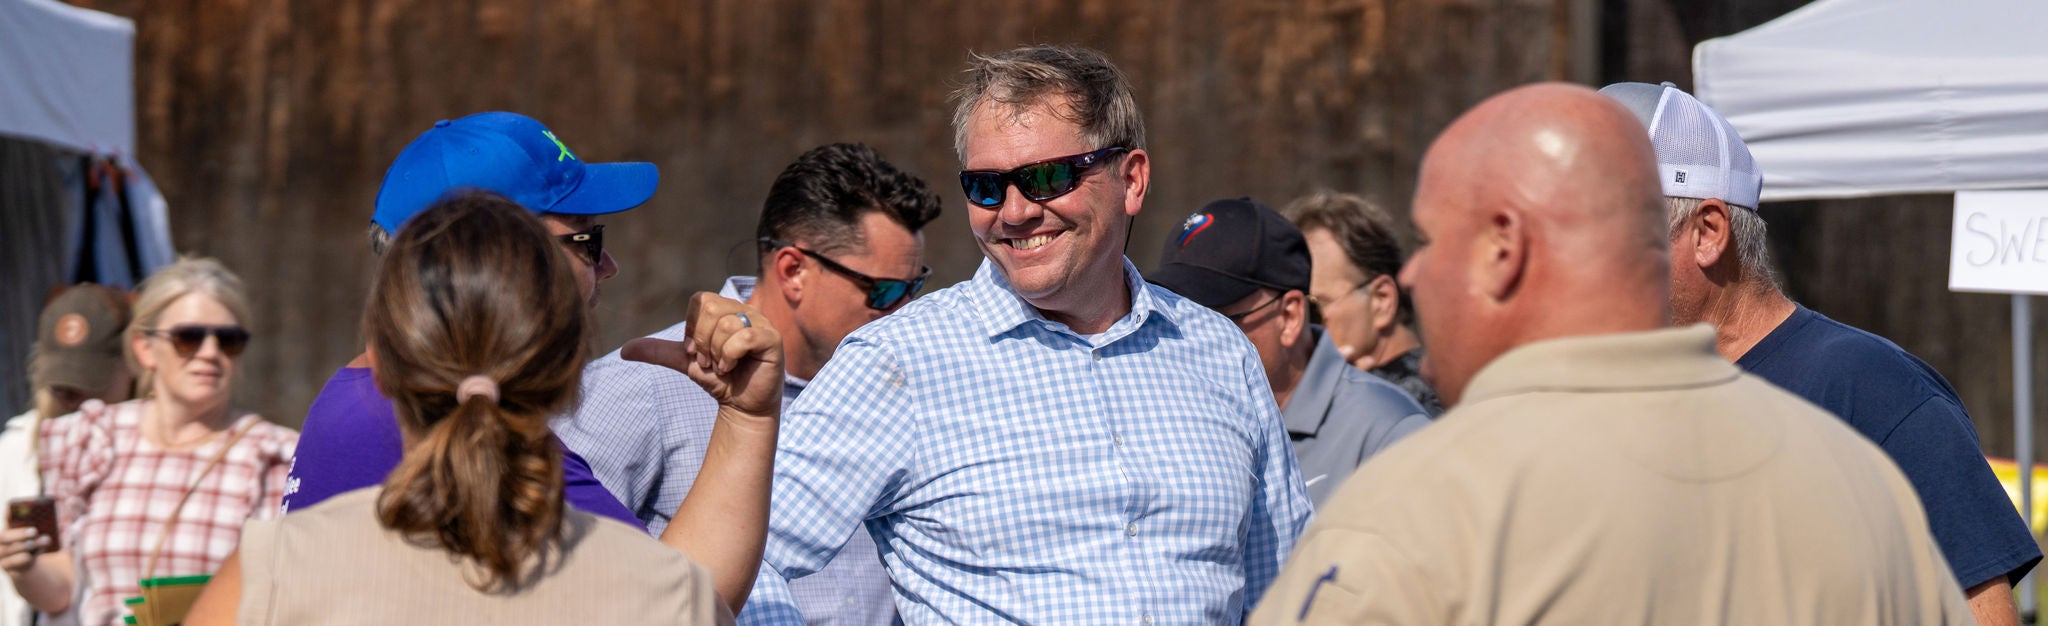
269	122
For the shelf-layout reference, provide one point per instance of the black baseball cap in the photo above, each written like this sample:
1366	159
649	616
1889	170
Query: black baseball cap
1230	249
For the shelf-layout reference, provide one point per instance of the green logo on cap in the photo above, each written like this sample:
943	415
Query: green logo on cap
566	154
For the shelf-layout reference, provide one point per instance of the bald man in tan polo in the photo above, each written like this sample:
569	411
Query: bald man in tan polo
1597	466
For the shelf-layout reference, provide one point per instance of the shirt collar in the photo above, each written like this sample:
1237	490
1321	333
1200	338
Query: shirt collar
1002	311
1658	359
738	287
1409	364
1310	403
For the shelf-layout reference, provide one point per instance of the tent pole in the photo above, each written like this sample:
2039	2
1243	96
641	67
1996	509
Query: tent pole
2023	423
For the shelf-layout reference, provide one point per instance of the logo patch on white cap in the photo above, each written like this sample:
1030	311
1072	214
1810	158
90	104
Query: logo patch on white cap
1678	177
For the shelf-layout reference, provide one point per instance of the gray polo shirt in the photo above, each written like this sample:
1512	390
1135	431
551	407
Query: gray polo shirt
1338	416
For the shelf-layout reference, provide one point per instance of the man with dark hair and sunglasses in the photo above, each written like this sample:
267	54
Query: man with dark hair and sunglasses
1244	260
350	438
1054	441
840	245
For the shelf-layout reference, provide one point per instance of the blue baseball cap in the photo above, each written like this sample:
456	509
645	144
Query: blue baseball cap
511	155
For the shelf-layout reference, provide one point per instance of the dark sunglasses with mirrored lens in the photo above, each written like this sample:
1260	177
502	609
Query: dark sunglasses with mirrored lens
187	339
589	243
1039	181
883	293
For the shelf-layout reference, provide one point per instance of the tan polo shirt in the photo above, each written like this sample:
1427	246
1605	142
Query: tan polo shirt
1621	479
333	564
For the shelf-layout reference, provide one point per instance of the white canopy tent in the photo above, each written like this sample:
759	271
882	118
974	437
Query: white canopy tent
1852	98
1848	98
67	78
77	205
69	74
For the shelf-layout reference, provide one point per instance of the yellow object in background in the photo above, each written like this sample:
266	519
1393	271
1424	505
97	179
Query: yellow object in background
2009	477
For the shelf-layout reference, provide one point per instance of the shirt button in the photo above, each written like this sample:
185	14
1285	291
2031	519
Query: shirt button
1118	439
1131	529
1145	620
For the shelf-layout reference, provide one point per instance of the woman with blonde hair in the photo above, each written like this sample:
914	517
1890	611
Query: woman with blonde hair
158	486
477	333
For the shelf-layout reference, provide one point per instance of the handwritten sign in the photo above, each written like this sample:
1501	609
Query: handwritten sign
2000	242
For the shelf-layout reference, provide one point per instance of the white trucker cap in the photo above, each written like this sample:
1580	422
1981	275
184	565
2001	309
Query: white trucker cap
1698	154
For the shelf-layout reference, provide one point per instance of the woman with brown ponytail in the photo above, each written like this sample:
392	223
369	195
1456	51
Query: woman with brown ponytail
477	333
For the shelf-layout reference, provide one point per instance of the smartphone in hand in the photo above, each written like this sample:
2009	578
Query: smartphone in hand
40	513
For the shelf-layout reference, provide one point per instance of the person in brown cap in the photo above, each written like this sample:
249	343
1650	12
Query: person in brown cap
78	349
1596	466
77	357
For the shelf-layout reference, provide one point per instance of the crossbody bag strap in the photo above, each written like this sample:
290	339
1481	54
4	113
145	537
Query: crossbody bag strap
149	571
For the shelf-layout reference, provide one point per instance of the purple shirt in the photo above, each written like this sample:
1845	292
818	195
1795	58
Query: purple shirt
350	441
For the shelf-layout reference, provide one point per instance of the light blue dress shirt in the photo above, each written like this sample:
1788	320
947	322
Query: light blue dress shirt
646	427
1012	470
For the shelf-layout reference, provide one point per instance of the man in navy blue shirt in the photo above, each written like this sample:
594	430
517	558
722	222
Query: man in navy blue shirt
1721	274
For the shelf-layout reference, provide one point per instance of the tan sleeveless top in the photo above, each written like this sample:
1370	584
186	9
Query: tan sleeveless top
333	564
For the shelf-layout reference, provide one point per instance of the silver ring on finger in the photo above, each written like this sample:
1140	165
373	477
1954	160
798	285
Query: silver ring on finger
744	322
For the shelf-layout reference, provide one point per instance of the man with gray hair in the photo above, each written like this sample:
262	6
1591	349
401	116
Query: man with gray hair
1357	257
1721	274
1054	441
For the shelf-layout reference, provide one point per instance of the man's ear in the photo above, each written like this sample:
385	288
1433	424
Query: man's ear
1504	254
1712	224
1136	173
1293	317
1383	302
786	264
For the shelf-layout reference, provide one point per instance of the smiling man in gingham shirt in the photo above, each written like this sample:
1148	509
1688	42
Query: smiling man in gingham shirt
1053	441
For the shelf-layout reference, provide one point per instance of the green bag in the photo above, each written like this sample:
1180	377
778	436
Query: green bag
165	601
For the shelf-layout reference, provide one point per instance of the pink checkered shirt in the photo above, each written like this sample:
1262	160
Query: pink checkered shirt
116	490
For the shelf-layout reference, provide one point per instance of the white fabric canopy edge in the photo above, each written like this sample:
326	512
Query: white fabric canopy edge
69	76
1834	105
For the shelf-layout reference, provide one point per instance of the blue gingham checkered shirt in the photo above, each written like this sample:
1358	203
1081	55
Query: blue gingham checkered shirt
1013	470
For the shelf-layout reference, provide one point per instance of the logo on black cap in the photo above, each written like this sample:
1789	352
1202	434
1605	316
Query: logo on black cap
1196	224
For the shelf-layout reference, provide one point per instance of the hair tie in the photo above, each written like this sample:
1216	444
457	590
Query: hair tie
476	385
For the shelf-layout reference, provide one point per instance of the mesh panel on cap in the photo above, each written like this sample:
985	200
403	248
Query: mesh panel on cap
1684	135
1739	159
1702	155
